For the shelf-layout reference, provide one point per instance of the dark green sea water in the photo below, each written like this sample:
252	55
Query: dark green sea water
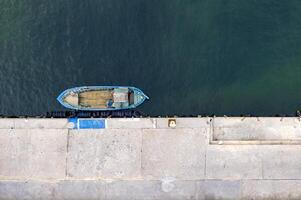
191	56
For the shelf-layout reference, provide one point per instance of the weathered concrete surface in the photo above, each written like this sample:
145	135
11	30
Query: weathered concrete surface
201	158
271	189
233	162
281	161
32	123
131	123
174	153
33	153
104	153
184	122
254	128
146	189
218	189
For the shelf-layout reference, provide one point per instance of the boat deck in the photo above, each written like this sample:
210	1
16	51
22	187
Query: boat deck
95	99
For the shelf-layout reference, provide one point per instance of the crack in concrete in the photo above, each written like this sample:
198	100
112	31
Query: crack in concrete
67	150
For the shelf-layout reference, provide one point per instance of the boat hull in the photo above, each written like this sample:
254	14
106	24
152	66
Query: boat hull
102	98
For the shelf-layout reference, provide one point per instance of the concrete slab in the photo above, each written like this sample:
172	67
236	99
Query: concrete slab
80	190
233	162
142	189
97	190
131	123
281	161
271	189
178	153
32	153
14	153
144	161
48	153
31	190
149	190
26	190
6	123
261	121
218	189
104	153
256	128
187	122
36	123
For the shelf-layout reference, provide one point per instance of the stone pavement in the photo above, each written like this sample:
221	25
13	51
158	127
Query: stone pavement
144	158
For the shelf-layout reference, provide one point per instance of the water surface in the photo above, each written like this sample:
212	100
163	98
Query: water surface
191	57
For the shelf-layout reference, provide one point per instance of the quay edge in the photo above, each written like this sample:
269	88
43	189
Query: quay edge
146	158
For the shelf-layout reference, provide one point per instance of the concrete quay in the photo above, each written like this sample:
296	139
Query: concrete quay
144	158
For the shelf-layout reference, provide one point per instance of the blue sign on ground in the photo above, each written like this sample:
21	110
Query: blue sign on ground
88	123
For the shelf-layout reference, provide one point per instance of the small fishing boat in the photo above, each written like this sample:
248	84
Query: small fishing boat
102	98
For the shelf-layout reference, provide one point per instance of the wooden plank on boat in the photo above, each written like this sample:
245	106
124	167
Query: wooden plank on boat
96	94
95	99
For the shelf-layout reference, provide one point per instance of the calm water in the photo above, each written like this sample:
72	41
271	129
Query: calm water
191	56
